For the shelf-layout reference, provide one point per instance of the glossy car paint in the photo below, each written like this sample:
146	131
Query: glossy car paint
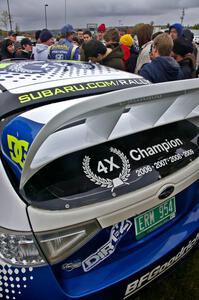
113	265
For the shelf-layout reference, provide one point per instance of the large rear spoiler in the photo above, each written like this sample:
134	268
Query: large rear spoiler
97	119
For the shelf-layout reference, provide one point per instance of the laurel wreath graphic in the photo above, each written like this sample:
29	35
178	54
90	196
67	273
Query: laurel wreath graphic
106	182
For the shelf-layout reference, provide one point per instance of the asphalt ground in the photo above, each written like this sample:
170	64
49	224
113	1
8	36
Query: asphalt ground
180	284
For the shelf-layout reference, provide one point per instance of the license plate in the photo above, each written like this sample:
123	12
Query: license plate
154	217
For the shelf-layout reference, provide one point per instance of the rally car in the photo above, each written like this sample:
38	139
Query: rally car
99	180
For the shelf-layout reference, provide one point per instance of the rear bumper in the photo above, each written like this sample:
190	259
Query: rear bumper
143	266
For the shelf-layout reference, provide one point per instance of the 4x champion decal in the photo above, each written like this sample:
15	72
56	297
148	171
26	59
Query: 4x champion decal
107	166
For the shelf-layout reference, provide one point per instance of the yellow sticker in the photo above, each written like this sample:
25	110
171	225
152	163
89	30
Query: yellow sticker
2	66
18	149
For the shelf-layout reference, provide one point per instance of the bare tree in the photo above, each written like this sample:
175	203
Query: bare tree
4	19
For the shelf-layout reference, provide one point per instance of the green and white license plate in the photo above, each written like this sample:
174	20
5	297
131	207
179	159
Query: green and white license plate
154	217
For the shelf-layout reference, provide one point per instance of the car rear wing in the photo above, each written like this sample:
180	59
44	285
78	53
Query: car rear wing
97	119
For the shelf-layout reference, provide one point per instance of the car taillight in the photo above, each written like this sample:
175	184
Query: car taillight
19	248
59	244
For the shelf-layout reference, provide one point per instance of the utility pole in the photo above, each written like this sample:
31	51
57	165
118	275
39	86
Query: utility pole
65	12
46	25
182	16
9	15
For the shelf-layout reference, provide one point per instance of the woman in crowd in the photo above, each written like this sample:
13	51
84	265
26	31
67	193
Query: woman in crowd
7	49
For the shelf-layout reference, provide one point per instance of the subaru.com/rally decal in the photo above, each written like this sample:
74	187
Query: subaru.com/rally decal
13	76
80	89
118	231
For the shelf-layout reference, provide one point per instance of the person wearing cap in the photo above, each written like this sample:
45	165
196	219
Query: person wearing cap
130	53
26	49
67	34
41	51
183	54
65	49
100	33
126	41
176	31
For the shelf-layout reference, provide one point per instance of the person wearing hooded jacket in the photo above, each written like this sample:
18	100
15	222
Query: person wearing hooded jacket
163	67
41	50
176	31
183	54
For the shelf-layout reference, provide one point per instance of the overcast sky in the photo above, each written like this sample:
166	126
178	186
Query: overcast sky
29	14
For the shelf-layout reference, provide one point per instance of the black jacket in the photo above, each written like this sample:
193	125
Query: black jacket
24	54
187	66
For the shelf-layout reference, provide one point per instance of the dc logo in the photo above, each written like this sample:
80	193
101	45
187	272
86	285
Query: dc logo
18	149
107	166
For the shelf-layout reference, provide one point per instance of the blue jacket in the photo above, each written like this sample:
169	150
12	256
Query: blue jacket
161	69
63	52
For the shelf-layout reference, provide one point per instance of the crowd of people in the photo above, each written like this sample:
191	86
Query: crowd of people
158	57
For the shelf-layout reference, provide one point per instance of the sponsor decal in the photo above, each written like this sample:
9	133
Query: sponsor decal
138	154
36	67
81	89
18	149
160	269
72	265
118	231
107	166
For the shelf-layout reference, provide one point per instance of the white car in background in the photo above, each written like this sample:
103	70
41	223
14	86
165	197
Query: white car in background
196	39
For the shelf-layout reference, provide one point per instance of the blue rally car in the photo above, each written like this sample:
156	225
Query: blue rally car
99	181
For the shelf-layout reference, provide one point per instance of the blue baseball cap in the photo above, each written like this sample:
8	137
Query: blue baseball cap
67	28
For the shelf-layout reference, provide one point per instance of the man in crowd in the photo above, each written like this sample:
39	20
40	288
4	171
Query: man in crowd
12	36
67	34
176	31
112	38
65	49
87	36
100	32
80	34
183	54
41	51
26	49
95	51
163	67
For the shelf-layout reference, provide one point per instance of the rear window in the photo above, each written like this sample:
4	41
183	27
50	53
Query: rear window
114	168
